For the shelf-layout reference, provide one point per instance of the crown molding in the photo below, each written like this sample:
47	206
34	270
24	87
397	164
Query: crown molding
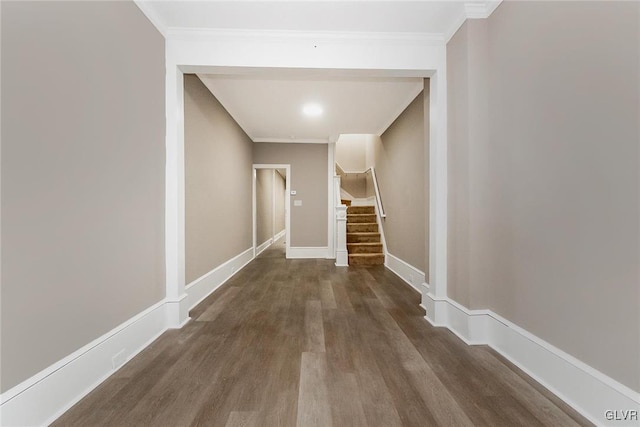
292	140
151	14
476	9
471	10
213	34
480	9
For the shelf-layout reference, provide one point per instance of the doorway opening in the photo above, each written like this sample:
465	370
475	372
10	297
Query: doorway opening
271	220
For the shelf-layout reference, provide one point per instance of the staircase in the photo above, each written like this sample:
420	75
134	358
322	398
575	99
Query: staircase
363	237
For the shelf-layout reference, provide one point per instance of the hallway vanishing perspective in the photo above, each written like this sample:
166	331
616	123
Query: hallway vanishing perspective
301	342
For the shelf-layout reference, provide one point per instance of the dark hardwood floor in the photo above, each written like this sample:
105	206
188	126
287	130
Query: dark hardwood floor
302	342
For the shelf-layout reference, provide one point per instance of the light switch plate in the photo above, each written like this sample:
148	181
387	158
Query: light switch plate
293	192
297	203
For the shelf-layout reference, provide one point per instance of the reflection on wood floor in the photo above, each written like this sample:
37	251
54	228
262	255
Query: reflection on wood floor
302	342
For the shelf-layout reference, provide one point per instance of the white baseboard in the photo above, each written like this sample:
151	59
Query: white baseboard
261	248
342	258
279	235
405	271
177	311
202	287
41	399
584	388
308	252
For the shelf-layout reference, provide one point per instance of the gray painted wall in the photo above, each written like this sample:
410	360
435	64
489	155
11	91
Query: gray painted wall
351	152
355	185
264	205
351	155
401	165
218	182
309	179
469	162
545	218
83	146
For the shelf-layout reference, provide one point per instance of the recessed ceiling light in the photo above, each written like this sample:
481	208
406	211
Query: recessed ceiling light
312	110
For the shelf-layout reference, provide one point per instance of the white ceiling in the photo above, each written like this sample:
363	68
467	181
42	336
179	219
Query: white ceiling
269	109
343	16
268	105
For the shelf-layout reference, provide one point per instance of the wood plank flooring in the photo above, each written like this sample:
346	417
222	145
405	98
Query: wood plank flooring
304	343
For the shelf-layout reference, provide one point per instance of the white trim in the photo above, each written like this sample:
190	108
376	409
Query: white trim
480	9
584	388
342	258
254	210
203	286
342	255
277	140
293	55
41	399
438	181
175	257
404	270
177	312
308	252
152	16
284	36
383	239
453	29
279	235
263	246
331	200
471	10
379	207
273	205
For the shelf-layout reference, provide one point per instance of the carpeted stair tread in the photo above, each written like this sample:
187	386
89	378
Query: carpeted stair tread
362	227
351	218
363	237
361	210
364	248
366	259
345	202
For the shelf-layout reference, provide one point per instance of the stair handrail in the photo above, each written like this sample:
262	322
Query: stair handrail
376	187
377	190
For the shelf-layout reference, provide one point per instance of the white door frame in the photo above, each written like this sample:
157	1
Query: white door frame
287	198
289	54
